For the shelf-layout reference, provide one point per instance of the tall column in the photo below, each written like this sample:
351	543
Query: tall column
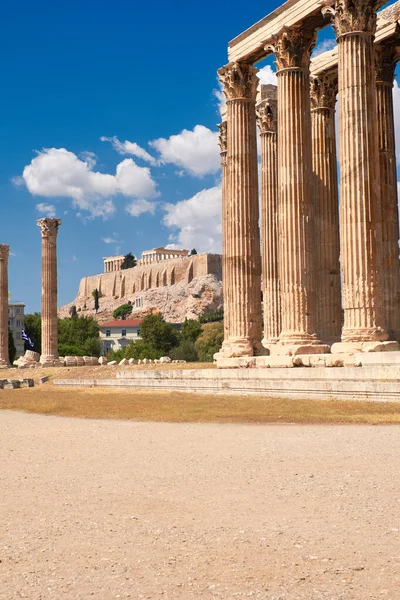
354	22
241	233
49	230
4	357
223	144
327	241
386	58
266	118
292	49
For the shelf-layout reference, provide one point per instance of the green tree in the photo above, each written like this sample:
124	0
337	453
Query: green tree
78	337
158	334
193	252
212	317
33	327
185	351
73	312
139	349
191	330
129	261
210	341
12	353
96	296
123	311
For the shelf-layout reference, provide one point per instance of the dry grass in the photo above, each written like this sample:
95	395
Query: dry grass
193	408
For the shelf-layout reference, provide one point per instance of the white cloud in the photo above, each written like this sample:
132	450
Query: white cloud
219	94
267	76
139	207
56	172
18	181
110	240
198	220
324	46
132	148
195	151
46	209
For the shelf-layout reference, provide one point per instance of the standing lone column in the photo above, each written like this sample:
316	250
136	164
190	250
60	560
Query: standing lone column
386	58
241	232
4	357
292	49
266	118
327	241
354	22
49	230
223	144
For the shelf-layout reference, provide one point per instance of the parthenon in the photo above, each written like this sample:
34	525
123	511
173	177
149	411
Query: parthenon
319	257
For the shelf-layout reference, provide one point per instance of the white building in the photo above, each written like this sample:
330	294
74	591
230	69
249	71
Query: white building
117	334
16	322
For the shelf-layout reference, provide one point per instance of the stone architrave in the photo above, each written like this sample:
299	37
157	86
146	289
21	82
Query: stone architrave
242	284
266	111
223	144
292	48
4	357
325	185
386	58
354	22
49	230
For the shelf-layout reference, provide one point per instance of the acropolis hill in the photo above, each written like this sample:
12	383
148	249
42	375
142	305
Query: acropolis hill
167	281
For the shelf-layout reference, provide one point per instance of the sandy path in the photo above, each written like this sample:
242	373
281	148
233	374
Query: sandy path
108	509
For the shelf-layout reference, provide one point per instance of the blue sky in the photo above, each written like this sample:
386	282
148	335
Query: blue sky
96	98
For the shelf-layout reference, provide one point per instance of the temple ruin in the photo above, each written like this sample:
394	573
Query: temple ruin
318	257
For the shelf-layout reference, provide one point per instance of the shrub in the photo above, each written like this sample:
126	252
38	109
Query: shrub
191	330
158	334
212	317
139	349
117	355
210	341
122	311
185	351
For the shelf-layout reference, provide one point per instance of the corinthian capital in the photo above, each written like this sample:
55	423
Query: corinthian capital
351	16
223	136
239	80
4	251
292	47
266	116
386	58
49	227
323	90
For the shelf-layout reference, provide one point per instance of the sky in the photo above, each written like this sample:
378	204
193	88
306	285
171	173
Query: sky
108	120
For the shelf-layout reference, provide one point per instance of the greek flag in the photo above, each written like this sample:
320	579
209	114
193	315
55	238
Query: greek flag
26	338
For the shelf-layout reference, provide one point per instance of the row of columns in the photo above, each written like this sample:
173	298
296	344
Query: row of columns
148	259
49	356
111	265
304	286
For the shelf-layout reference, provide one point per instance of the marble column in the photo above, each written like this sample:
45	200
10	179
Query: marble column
4	357
292	49
354	22
49	230
223	144
386	58
326	207
241	229
266	111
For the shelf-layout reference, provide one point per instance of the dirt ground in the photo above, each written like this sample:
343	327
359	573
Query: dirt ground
123	509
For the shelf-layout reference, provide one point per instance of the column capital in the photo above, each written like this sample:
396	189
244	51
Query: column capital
266	116
323	90
386	58
292	47
240	81
352	16
49	227
223	137
4	251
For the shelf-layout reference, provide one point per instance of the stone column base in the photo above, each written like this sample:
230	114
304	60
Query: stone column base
281	349
241	348
4	364
352	347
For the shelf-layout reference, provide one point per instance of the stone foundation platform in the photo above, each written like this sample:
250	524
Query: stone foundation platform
380	383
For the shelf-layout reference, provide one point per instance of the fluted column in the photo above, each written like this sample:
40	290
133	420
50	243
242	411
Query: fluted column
49	230
325	185
266	118
4	254
354	22
223	144
386	58
292	49
242	235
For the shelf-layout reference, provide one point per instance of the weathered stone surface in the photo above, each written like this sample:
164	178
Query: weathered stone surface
102	360
27	383
44	379
165	359
11	384
32	356
123	362
112	363
132	361
4	254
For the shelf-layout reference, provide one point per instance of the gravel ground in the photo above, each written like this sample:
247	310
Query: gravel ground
116	509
